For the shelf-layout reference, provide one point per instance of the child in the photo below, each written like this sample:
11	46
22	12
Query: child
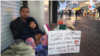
33	35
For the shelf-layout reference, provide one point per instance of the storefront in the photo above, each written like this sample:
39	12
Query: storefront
9	11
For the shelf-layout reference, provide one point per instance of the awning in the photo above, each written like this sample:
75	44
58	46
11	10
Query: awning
77	8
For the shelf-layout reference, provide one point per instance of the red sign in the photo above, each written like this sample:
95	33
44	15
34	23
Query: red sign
89	6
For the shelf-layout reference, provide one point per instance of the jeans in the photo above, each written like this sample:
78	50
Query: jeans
18	41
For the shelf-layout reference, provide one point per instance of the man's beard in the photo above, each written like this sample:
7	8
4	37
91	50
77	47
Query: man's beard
25	18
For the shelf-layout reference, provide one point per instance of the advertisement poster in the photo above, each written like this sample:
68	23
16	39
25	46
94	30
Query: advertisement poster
60	42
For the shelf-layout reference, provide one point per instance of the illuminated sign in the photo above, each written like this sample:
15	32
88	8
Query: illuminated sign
91	6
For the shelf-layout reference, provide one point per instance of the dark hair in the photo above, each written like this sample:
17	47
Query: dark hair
30	20
23	7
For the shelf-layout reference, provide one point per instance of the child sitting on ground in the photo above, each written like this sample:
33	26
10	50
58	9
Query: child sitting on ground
34	36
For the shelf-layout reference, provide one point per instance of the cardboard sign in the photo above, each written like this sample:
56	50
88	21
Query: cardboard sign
46	28
63	42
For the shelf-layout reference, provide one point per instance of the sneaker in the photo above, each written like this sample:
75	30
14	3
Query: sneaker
44	52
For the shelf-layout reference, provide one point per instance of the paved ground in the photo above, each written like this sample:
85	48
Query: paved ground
90	40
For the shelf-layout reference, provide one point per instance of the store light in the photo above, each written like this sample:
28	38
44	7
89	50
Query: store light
45	8
72	2
87	2
76	2
46	2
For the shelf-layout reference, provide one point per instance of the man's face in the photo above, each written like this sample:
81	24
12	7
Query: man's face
24	13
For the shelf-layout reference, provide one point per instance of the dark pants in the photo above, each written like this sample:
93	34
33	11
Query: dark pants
61	15
99	16
76	17
82	14
69	15
17	41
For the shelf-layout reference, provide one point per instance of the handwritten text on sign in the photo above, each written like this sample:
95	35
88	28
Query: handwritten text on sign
63	42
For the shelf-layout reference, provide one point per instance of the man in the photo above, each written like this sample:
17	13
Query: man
69	13
17	25
82	12
99	13
76	13
61	13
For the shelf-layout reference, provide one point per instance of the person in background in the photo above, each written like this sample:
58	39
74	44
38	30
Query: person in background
70	13
87	13
61	13
76	13
99	13
82	12
79	13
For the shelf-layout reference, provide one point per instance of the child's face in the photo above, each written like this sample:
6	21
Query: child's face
32	24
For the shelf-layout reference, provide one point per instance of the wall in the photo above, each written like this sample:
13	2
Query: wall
46	11
39	10
50	11
9	12
54	12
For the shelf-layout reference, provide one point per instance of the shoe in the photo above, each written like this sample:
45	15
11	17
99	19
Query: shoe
41	55
43	51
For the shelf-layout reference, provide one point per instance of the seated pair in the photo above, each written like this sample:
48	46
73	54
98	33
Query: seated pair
34	36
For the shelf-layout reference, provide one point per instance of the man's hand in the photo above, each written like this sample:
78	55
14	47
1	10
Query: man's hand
38	36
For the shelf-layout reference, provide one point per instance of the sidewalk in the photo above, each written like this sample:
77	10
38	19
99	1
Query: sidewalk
87	24
66	20
90	39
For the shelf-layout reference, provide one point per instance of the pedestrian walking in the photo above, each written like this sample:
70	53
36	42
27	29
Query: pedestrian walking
99	13
76	13
61	13
69	13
